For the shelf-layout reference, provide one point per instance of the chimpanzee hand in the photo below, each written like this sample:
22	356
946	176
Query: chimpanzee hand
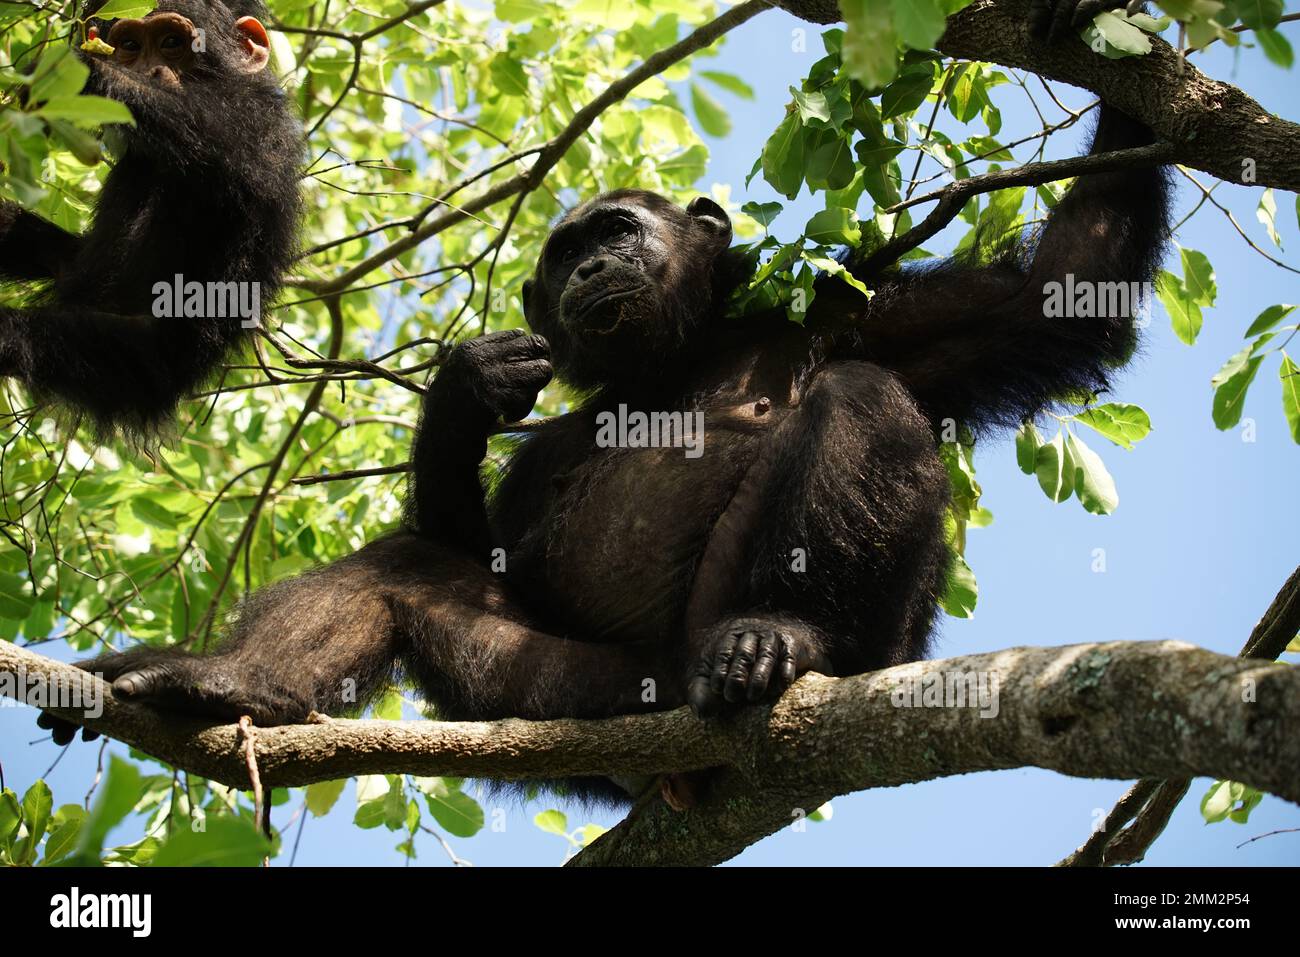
210	687
492	377
750	659
1054	18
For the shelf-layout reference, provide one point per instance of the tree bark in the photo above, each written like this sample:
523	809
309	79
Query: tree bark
1115	710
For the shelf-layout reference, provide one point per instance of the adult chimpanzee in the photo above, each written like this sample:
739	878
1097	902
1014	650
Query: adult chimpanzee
809	535
205	192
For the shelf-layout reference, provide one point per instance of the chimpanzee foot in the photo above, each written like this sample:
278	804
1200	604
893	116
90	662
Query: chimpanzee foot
746	660
209	687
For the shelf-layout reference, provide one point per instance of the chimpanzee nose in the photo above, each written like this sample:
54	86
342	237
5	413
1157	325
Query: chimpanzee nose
592	266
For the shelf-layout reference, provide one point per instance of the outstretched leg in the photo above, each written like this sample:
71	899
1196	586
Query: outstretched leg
328	640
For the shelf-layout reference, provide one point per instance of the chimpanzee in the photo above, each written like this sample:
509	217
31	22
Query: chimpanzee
808	535
205	192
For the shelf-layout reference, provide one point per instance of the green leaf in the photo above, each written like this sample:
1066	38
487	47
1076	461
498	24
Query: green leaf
87	111
117	796
16	598
1184	313
1119	34
763	213
1276	47
63	838
1198	277
389	706
151	513
1120	422
710	113
830	166
38	802
323	795
905	94
1054	469
508	75
1217	802
456	812
1259	13
835	268
729	82
225	841
961	591
553	822
63	76
125	9
1269	318
11	816
783	157
1289	373
1092	483
869	49
1027	442
919	23
1232	381
810	106
371	814
1266	213
833	227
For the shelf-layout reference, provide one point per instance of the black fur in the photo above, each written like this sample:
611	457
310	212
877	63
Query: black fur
641	579
207	188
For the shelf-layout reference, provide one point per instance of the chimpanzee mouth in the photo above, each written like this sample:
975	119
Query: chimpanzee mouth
588	319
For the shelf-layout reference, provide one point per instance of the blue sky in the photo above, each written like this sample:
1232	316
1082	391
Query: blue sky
1204	536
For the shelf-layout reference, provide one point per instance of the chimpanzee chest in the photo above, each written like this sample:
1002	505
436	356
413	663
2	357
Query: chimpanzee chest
624	532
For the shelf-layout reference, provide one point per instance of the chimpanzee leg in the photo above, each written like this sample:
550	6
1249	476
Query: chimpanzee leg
831	554
328	640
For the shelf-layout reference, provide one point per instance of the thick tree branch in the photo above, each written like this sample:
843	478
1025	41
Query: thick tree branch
1150	803
1118	710
1214	126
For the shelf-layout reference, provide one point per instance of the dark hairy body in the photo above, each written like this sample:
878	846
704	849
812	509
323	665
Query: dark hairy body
193	194
808	535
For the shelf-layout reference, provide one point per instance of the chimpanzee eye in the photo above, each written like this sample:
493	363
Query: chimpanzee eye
171	42
130	46
618	229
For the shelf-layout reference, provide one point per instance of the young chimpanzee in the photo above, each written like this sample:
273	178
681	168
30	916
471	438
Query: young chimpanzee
808	535
205	192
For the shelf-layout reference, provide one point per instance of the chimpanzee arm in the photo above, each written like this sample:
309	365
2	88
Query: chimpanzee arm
490	378
994	344
31	247
126	371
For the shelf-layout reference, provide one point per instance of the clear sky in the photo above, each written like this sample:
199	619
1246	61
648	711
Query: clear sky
1205	534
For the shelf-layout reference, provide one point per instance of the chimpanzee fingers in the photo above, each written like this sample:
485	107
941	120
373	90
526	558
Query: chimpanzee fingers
741	668
721	664
517	398
766	661
699	692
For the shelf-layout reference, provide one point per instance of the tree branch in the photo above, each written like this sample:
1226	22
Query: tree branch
1150	803
1116	710
1214	126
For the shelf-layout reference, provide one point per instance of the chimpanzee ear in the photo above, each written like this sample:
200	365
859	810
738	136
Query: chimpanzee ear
256	44
711	216
525	293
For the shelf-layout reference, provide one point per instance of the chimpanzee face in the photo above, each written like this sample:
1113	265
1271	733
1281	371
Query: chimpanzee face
623	279
167	48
